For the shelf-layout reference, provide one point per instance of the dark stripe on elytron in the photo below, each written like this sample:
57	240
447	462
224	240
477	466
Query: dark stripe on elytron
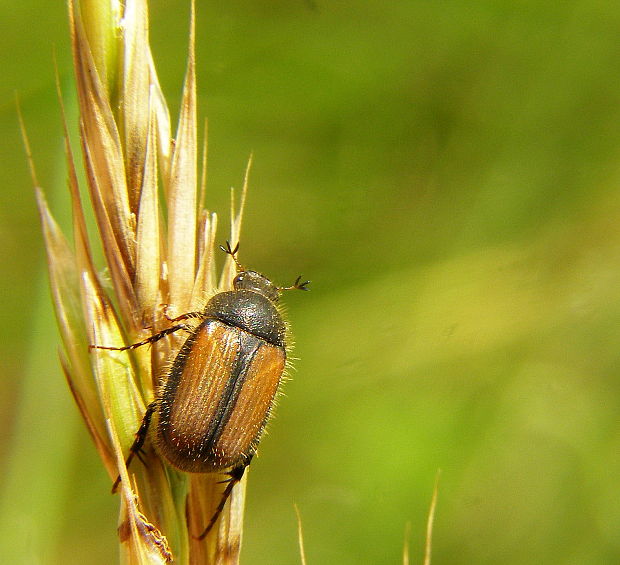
248	347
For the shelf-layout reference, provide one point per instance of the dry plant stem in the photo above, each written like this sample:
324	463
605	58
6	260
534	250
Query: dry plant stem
153	256
300	537
406	543
430	520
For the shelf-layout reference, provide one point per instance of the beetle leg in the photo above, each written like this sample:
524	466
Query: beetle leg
140	456
182	316
151	339
235	475
138	442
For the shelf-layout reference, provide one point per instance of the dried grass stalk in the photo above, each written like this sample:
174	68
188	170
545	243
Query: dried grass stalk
153	255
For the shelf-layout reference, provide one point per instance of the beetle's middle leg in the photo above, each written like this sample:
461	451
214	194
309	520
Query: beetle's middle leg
138	442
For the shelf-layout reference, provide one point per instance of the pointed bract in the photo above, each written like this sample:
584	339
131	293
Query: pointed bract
182	186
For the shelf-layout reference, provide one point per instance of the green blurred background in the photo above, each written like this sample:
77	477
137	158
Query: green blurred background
447	175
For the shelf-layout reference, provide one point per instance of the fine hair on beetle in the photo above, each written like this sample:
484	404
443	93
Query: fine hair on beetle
217	395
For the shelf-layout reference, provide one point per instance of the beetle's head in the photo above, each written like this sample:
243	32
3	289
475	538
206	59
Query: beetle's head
251	280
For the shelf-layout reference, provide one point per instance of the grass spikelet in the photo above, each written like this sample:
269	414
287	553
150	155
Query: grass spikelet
154	255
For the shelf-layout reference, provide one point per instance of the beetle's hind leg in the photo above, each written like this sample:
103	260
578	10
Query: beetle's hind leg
234	476
136	448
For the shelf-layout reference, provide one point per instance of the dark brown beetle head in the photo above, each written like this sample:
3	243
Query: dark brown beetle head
251	280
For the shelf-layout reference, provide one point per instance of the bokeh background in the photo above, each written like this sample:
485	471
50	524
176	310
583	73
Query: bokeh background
447	174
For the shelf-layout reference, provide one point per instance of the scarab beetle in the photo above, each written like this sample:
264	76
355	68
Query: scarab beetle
216	398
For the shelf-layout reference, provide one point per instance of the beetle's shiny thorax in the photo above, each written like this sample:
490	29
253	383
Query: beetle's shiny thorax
249	311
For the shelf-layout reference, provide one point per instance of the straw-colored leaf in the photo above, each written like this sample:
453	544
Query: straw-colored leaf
141	542
100	440
65	286
236	218
182	192
224	541
148	259
135	114
101	142
122	274
100	21
205	278
160	109
113	372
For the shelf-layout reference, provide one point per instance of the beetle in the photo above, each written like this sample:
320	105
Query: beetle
217	396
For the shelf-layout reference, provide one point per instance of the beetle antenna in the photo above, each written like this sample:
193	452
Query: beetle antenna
233	253
297	285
